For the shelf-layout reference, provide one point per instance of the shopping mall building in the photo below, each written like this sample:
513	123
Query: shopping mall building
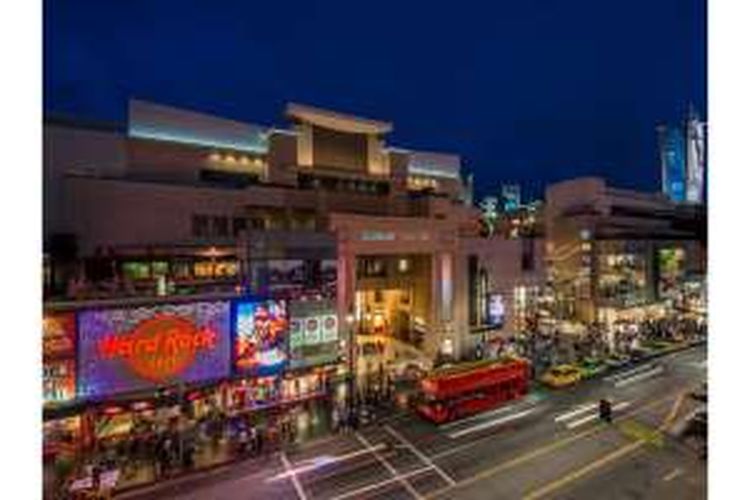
196	260
617	254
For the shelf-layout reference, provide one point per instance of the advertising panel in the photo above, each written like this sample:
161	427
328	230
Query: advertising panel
673	163
314	333
58	349
261	328
124	350
496	310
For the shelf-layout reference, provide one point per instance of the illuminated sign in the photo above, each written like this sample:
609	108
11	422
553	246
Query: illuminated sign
377	236
58	347
496	310
158	348
124	350
261	334
58	335
313	333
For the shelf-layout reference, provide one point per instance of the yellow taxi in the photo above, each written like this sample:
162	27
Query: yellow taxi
562	376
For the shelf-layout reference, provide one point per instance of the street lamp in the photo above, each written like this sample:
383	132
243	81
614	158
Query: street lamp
352	364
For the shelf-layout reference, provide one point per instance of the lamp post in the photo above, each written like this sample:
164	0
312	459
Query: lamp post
352	364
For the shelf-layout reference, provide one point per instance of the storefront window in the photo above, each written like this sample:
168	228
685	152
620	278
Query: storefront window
136	270
159	268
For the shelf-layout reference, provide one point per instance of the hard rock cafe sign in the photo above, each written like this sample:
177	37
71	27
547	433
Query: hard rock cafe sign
158	348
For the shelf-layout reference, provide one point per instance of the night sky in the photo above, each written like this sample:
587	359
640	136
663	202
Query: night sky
525	91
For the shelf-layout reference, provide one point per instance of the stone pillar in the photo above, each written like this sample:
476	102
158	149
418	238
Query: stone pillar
345	278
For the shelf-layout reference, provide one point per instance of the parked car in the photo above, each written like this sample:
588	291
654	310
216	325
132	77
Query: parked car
562	376
591	367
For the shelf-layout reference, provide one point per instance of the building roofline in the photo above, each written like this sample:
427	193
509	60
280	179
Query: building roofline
336	121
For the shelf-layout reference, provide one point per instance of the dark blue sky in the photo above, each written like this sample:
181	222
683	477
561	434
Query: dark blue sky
531	91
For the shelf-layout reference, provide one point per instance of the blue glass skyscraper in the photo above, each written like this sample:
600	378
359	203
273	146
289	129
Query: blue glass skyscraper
672	149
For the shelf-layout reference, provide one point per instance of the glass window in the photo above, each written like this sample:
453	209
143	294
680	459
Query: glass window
136	270
403	265
160	268
220	226
238	224
200	227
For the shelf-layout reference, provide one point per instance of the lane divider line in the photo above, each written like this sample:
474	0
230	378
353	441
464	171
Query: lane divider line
419	454
357	492
589	418
534	453
387	465
672	475
492	423
640	376
320	461
572	476
575	412
529	401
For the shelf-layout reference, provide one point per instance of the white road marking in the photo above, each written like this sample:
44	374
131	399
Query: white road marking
581	409
589	418
491	423
640	376
357	492
419	454
320	461
387	465
498	411
632	371
672	474
295	481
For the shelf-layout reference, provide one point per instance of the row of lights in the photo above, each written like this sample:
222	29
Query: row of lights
232	159
422	182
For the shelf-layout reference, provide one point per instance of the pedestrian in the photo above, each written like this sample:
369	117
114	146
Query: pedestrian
253	439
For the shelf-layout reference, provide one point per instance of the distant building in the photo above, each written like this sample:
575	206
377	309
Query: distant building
511	197
696	159
179	202
613	252
683	160
673	169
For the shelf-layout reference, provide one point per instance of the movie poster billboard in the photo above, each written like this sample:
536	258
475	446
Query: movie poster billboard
261	329
59	350
314	333
126	350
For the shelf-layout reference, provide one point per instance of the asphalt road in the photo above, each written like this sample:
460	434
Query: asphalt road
550	445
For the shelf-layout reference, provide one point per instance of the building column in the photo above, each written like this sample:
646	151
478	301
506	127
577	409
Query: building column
345	281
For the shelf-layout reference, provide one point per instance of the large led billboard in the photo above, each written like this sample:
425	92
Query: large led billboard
673	163
125	350
260	336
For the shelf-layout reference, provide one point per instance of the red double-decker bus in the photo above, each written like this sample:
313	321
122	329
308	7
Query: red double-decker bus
460	391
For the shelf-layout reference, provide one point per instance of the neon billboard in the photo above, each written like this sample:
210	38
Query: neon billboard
125	350
261	328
